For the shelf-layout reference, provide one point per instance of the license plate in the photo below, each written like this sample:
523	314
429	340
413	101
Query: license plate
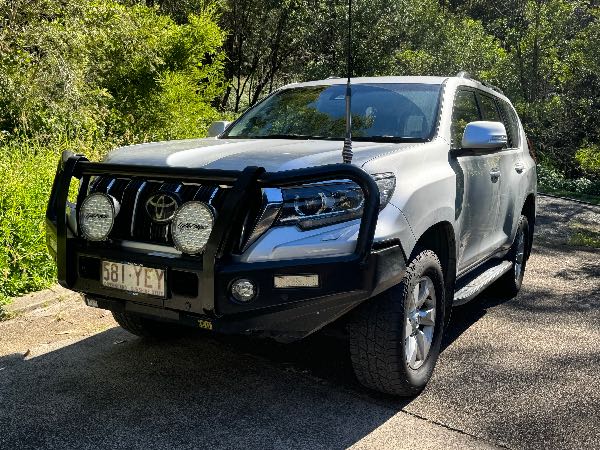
133	278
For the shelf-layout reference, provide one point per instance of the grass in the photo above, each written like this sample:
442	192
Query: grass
5	315
585	238
27	170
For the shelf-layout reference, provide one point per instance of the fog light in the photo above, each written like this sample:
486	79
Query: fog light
243	290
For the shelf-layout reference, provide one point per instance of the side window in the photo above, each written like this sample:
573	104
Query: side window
511	122
465	110
489	109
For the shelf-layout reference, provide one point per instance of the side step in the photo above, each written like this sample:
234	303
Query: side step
474	283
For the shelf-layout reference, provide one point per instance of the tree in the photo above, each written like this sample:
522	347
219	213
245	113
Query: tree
98	70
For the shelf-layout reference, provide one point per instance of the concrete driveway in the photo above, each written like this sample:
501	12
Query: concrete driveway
517	373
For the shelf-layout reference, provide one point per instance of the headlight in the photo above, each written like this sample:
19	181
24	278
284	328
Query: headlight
97	216
191	227
322	204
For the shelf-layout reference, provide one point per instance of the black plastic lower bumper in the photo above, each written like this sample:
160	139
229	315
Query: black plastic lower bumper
284	314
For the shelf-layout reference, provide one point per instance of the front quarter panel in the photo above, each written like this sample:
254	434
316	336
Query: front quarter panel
425	185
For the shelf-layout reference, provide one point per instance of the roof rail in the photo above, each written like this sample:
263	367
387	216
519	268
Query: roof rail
491	86
463	74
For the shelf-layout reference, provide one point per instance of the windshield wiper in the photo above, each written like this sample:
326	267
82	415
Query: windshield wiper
287	136
392	139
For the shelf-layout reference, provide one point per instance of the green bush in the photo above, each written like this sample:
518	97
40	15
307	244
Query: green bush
552	180
27	172
88	76
588	158
96	70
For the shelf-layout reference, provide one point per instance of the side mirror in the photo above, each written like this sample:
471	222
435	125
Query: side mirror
483	134
216	128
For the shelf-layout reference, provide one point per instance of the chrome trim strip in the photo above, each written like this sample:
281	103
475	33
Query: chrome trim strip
272	203
212	196
135	204
110	185
151	248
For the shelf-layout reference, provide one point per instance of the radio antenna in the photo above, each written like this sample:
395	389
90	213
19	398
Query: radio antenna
347	151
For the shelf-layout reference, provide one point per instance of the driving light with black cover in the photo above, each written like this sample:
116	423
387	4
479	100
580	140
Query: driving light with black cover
191	227
97	216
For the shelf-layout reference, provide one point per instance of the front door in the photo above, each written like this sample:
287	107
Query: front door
477	193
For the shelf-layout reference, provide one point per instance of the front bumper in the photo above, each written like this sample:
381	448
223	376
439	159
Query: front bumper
198	288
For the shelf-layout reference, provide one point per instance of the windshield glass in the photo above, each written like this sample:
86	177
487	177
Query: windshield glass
380	112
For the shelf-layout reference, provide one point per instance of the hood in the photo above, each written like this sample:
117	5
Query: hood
236	154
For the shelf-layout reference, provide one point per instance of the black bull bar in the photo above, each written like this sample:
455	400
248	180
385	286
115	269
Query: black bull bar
227	227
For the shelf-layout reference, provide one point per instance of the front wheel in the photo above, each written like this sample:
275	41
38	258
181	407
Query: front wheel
395	339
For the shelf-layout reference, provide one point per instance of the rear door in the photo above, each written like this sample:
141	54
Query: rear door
500	159
476	187
512	168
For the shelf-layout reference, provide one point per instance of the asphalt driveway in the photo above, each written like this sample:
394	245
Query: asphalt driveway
518	373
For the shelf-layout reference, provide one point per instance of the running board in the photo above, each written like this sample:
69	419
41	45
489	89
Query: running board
475	284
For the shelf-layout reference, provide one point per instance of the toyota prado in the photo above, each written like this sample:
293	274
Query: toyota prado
262	230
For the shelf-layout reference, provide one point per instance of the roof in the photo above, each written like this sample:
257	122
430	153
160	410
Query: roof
399	80
373	80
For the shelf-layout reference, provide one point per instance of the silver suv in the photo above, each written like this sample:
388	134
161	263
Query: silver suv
260	229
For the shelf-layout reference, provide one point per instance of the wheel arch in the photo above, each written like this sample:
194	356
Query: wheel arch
529	211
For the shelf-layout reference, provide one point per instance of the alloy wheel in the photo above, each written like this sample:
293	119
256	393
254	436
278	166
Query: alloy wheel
419	323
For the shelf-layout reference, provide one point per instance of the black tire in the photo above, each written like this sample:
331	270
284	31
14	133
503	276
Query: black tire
378	332
510	283
148	328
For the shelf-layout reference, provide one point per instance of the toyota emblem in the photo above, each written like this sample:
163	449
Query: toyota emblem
161	208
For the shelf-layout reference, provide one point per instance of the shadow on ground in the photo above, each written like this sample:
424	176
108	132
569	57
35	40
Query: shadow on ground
115	391
522	372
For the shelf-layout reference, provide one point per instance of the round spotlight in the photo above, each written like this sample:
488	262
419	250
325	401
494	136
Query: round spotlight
243	290
97	216
191	227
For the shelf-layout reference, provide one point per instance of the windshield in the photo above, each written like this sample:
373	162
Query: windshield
380	112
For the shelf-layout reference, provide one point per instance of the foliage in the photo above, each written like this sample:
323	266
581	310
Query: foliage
583	237
443	44
553	77
27	172
88	75
102	70
588	158
263	39
553	181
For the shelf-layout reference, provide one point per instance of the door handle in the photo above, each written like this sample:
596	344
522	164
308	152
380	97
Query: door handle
519	167
495	174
